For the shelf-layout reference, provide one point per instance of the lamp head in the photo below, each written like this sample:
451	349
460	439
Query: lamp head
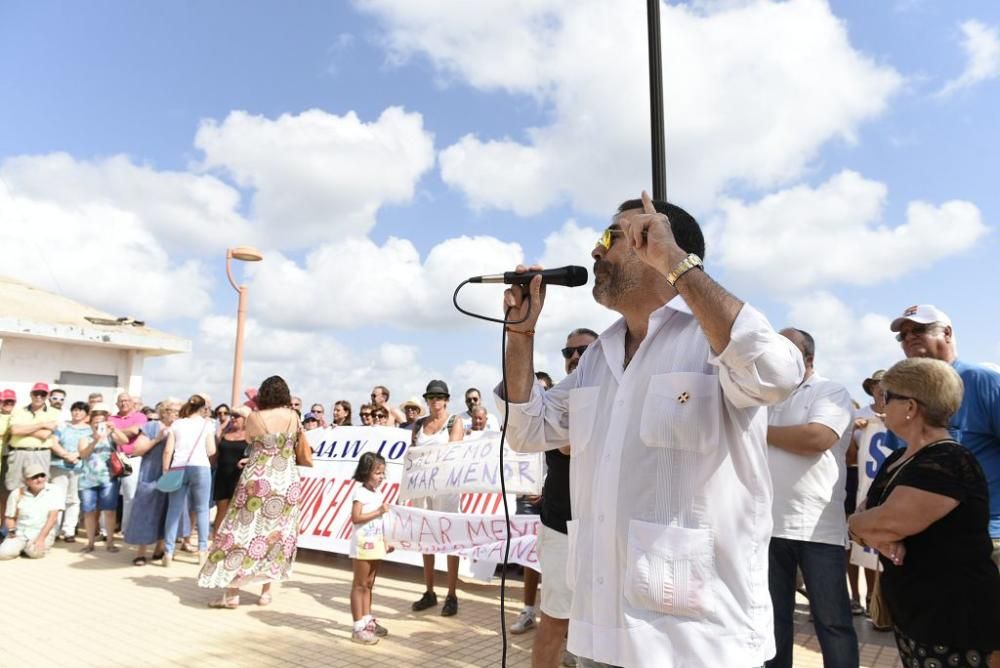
246	253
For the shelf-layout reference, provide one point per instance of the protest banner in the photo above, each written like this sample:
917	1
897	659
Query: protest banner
469	466
480	537
327	487
872	452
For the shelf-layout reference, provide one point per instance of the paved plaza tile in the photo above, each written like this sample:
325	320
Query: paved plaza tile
71	609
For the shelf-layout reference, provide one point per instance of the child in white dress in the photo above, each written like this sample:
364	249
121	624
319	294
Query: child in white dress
367	545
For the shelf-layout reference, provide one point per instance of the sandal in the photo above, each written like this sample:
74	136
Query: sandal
856	609
157	556
185	547
112	548
225	603
87	549
139	561
265	599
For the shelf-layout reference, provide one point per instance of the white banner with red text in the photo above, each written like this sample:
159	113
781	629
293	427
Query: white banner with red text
481	537
327	487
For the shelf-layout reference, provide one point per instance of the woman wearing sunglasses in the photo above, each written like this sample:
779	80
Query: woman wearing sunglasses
380	416
439	427
927	513
365	413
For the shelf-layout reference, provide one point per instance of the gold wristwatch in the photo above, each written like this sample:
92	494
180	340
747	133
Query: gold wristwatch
687	264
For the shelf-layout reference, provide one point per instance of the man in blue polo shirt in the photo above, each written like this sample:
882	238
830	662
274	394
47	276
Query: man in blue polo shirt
925	331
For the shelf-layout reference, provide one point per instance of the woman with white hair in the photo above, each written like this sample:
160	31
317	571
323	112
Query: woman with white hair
149	508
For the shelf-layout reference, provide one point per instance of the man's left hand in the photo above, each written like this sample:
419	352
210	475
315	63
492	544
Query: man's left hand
39	545
649	234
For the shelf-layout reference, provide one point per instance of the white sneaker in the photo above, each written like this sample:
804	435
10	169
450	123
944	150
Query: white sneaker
569	659
524	622
366	636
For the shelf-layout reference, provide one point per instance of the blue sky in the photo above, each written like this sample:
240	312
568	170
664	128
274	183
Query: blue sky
842	157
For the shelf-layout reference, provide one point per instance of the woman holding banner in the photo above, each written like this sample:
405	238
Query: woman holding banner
257	539
438	428
928	515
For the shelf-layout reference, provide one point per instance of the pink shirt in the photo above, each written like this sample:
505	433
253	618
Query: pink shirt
130	420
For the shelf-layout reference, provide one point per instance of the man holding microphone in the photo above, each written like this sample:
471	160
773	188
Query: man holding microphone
671	496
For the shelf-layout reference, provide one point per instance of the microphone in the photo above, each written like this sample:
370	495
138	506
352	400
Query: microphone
570	276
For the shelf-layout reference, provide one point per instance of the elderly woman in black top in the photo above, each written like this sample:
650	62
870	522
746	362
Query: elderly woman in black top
927	513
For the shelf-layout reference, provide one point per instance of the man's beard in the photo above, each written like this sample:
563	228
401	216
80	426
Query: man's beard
611	288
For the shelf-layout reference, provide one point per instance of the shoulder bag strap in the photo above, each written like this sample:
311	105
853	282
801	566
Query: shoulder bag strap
201	435
903	466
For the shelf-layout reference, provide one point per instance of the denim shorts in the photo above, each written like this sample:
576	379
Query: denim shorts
104	497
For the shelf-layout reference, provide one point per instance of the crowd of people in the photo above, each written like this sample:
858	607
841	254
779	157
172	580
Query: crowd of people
152	475
700	475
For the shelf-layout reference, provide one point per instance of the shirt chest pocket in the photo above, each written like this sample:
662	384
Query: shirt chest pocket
681	412
582	414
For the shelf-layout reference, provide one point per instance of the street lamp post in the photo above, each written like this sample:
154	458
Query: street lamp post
246	254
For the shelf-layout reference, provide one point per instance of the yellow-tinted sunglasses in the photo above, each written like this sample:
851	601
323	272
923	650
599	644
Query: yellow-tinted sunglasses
608	236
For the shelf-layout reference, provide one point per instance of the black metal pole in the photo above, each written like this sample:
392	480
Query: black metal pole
657	132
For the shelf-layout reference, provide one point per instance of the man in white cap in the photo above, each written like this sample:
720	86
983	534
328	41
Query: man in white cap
926	331
31	516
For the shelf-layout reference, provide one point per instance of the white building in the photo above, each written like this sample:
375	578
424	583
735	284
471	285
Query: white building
48	338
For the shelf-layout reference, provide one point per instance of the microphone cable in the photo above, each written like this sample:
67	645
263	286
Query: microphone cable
503	436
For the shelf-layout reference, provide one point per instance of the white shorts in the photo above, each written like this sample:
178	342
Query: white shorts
553	549
447	503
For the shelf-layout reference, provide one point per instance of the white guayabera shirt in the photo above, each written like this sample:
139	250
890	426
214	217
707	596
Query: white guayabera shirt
670	489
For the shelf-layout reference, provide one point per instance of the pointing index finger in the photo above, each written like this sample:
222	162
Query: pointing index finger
647	203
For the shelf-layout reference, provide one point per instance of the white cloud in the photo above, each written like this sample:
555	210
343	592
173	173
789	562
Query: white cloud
188	213
356	283
524	190
849	346
801	238
317	366
316	175
99	254
753	91
981	44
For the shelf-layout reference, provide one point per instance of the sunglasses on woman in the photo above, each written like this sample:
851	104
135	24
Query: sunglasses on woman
890	396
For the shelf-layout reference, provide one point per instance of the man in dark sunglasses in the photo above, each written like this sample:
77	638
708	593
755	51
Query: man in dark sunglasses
666	415
474	400
380	397
553	541
31	515
926	331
